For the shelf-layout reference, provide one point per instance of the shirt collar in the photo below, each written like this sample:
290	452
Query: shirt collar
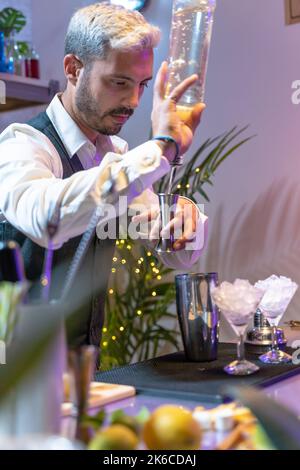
70	134
74	139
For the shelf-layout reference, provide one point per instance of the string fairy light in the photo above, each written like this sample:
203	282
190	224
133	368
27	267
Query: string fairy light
153	275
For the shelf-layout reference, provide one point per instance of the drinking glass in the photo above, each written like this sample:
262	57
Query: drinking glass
238	302
239	323
278	293
275	355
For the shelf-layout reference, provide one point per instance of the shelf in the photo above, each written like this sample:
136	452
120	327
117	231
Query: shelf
23	92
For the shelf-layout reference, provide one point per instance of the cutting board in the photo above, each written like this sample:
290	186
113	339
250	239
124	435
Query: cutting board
101	394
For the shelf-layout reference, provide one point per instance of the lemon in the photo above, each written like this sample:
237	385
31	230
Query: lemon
114	437
172	427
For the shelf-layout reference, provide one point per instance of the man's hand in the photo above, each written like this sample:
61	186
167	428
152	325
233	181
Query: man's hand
165	119
184	223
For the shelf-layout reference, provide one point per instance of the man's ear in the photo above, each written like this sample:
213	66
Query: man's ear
72	68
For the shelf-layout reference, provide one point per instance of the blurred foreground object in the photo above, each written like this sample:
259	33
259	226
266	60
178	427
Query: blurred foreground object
11	262
279	426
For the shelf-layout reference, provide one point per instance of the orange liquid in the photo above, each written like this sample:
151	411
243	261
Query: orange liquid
184	112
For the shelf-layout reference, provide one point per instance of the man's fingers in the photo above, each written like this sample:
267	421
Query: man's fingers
187	236
145	216
161	79
184	231
179	227
154	232
174	224
182	87
179	244
195	116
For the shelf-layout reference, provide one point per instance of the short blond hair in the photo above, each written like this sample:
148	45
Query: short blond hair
96	29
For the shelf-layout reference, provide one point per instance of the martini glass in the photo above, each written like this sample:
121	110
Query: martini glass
275	355
278	292
238	302
239	323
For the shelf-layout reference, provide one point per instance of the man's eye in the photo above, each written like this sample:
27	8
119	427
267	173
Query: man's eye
145	85
118	83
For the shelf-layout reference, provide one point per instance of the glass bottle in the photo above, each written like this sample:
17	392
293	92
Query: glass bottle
191	30
9	42
32	64
2	53
14	58
19	61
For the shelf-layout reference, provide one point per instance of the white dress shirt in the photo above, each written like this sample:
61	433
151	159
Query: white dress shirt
31	180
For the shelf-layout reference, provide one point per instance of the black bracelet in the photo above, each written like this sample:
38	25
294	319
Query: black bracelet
168	139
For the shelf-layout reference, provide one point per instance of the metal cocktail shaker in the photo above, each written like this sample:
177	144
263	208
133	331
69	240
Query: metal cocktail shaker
167	205
198	315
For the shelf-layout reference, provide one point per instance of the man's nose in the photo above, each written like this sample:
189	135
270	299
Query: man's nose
133	98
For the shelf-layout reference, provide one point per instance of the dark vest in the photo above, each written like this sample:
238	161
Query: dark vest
91	282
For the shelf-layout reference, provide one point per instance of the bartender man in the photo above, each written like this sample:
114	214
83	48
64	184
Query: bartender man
64	156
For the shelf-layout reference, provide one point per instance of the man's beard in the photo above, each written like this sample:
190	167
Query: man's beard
90	113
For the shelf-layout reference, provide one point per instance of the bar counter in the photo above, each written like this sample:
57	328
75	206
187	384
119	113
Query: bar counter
172	380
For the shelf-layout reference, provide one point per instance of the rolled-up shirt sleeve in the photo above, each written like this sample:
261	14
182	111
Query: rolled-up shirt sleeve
31	182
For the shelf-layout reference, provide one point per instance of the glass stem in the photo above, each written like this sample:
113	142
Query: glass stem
241	348
274	339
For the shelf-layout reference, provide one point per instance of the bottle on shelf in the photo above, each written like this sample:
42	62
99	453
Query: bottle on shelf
2	53
19	61
11	58
191	30
32	64
9	43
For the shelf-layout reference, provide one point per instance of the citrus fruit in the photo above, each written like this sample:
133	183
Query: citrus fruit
172	427
114	437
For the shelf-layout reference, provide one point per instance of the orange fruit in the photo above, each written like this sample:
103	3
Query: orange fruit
172	427
114	437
